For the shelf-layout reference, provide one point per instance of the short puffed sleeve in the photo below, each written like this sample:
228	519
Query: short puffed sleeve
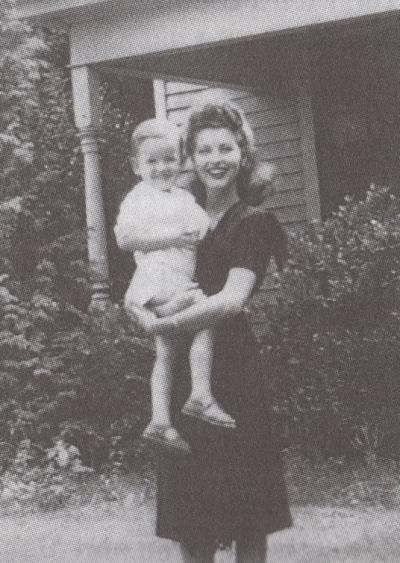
255	239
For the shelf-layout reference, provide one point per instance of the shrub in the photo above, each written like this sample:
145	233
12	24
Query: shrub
65	375
333	343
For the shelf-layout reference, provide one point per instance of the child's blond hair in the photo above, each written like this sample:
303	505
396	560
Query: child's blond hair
155	128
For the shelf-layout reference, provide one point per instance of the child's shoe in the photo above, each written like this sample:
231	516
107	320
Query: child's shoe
210	412
166	437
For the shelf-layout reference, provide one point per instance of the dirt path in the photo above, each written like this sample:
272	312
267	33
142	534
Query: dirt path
122	533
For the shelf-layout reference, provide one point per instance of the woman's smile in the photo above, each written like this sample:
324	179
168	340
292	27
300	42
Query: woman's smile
217	172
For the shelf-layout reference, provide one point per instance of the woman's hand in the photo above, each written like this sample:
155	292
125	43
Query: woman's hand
149	322
141	316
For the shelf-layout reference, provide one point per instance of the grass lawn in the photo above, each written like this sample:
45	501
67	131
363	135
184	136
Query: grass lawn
122	534
342	514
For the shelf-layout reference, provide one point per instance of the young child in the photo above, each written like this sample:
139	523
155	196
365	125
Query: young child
162	224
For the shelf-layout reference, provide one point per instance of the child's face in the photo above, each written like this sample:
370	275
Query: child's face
158	163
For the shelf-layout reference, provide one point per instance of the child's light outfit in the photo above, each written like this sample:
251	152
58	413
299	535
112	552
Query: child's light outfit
148	213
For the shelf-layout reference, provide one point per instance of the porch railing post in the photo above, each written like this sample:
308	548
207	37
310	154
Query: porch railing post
87	108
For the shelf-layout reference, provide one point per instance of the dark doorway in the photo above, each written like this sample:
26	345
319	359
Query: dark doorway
356	92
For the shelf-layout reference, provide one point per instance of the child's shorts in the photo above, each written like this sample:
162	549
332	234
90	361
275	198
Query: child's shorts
156	283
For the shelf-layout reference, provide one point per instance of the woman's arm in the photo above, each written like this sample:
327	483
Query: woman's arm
223	305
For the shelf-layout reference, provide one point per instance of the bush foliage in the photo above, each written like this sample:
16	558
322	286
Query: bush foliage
333	341
64	376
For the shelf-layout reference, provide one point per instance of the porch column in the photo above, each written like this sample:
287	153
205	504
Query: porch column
87	109
303	82
160	102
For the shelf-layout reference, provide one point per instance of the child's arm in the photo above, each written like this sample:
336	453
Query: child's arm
131	240
148	242
137	229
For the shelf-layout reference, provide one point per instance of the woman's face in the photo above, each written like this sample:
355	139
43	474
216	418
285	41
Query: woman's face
217	158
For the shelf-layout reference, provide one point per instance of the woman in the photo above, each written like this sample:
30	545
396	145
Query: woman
231	487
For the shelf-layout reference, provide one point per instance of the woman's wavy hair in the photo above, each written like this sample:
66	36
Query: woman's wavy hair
227	115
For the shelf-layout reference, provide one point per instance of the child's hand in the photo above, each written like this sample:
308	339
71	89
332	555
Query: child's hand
189	241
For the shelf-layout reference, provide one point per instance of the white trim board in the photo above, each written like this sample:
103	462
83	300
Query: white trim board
158	26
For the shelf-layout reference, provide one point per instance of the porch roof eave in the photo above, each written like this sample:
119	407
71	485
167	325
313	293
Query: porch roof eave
110	30
282	14
62	12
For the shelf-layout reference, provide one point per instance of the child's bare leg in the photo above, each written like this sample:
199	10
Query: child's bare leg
160	430
161	380
201	360
201	403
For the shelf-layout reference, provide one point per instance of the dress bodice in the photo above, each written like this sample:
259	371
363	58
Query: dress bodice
243	238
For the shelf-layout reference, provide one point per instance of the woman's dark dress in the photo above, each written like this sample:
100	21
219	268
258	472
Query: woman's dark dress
232	484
